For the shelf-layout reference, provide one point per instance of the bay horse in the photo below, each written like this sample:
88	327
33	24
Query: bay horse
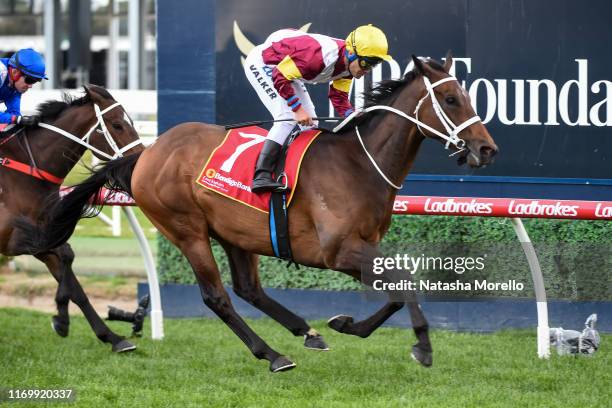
34	162
341	208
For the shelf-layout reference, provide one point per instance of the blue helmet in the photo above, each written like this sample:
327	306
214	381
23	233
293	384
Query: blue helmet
29	62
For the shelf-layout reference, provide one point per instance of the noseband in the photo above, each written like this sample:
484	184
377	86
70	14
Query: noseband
84	141
452	136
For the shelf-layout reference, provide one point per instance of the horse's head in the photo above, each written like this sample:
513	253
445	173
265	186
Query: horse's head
114	134
95	121
445	106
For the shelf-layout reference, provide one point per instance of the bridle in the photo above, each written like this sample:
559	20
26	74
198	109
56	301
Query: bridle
452	136
84	141
452	129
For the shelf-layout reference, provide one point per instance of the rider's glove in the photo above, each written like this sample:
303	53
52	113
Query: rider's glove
27	120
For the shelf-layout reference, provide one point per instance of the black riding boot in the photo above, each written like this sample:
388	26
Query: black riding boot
265	166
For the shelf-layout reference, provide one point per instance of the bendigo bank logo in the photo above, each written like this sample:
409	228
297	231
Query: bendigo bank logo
210	173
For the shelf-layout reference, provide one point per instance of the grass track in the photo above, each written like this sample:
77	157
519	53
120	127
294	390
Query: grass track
202	363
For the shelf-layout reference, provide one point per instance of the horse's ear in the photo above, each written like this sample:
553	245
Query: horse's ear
448	61
418	64
91	93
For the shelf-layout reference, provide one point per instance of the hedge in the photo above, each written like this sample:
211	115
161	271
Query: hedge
575	255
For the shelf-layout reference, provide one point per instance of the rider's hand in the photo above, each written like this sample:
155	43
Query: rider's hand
27	120
302	117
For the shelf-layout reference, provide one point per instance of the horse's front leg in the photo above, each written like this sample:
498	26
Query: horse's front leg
356	258
55	261
59	262
56	264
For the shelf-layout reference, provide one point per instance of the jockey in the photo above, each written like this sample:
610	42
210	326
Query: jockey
279	67
17	74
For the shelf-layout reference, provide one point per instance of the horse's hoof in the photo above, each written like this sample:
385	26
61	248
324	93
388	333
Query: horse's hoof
339	323
281	363
123	346
425	358
60	327
315	343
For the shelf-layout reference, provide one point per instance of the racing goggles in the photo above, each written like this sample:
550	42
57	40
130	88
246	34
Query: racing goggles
367	63
30	80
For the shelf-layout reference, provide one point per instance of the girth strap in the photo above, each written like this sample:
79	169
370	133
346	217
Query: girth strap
279	215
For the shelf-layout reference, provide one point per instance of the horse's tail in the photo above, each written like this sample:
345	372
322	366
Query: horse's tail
61	215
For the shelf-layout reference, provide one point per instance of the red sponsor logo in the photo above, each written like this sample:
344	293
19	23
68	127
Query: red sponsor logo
119	198
400	205
603	211
458	207
557	209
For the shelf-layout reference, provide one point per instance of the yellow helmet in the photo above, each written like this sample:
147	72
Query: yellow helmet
368	41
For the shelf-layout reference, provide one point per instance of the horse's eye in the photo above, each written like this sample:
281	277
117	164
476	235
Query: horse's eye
450	100
117	126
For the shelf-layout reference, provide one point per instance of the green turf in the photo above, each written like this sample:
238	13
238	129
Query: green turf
201	363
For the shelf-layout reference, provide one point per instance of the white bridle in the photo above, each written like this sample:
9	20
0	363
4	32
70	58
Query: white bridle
452	136
452	129
84	141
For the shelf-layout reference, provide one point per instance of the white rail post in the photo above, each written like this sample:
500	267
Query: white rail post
157	323
114	221
116	217
538	285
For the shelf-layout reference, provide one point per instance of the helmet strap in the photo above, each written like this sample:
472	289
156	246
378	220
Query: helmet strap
350	56
15	74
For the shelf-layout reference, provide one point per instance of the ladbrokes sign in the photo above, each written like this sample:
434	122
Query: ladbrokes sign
503	207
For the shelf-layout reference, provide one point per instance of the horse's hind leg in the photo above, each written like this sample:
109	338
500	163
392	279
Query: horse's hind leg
69	285
199	254
245	278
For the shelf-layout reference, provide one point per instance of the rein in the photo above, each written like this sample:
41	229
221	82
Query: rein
8	138
30	170
453	131
33	171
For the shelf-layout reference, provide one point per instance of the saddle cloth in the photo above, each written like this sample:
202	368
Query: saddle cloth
230	168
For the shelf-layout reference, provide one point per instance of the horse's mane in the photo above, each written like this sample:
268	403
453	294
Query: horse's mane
50	110
385	91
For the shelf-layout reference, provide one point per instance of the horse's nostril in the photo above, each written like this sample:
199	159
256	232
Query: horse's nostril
487	151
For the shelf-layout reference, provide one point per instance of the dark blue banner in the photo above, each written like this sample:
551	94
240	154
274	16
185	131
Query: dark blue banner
538	72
